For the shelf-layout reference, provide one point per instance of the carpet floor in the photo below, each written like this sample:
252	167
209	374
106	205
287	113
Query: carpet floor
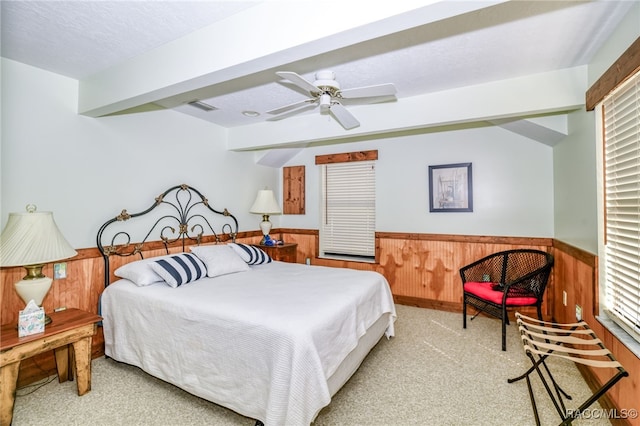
433	372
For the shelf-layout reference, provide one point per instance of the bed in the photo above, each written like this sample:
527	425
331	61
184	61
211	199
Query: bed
273	341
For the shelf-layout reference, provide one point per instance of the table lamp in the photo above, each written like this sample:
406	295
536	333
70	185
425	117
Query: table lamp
32	239
265	205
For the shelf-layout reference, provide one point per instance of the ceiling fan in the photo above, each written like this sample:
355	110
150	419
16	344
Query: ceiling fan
325	91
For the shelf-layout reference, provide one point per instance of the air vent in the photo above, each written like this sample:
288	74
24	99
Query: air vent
203	106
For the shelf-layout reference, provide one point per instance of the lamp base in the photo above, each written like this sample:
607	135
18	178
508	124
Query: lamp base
34	289
265	227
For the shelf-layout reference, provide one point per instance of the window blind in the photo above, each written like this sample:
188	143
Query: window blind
621	110
348	209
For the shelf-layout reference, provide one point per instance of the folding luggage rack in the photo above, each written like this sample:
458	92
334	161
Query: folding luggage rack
574	342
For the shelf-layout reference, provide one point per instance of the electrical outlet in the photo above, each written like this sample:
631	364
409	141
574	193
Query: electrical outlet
564	298
578	313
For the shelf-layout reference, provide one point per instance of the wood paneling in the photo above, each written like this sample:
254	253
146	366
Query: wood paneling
293	190
422	270
81	289
575	272
346	157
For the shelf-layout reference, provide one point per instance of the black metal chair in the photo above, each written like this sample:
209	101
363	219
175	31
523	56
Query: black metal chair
505	280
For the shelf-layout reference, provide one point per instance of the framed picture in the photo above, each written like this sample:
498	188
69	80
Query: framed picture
450	188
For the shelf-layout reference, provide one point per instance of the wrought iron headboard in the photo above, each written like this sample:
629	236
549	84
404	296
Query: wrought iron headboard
181	213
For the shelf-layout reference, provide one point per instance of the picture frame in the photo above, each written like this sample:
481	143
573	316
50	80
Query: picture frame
450	188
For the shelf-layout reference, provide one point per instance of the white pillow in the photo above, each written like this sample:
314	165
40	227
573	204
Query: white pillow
220	259
180	269
139	272
252	255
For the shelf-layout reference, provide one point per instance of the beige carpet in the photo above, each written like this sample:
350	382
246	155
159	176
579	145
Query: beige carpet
432	373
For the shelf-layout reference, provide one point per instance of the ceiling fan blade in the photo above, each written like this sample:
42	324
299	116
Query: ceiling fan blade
344	117
387	89
298	81
291	106
307	105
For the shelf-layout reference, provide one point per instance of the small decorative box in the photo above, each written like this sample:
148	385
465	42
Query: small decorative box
30	320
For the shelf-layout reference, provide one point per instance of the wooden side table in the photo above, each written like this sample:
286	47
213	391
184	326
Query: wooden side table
286	252
71	328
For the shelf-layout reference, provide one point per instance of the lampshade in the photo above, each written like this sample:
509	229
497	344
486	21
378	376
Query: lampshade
265	203
32	238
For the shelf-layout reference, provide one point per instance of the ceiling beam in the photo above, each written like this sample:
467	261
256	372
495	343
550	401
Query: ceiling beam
545	93
253	41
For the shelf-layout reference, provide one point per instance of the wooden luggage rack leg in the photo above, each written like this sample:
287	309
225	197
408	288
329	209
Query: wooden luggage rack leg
574	342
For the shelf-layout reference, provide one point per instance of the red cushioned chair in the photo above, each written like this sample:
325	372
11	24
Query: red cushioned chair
505	280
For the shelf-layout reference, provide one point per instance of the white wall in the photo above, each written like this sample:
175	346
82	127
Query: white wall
512	183
575	165
575	184
86	170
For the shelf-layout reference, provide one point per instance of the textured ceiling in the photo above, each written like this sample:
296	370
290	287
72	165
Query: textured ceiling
79	38
440	46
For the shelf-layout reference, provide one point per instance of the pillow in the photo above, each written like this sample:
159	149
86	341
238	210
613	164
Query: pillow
220	260
180	269
140	272
251	254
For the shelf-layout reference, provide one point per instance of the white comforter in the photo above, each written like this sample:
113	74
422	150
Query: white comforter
261	342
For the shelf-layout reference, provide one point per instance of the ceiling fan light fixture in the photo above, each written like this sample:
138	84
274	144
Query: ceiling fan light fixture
325	102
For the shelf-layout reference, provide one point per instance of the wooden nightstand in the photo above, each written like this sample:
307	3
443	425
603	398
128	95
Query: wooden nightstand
286	252
71	328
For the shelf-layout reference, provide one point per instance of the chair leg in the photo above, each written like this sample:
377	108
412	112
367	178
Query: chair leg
464	312
504	335
505	320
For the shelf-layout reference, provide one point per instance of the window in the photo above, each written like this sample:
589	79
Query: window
348	209
621	125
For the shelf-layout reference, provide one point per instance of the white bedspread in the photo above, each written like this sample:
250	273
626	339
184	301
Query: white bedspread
261	343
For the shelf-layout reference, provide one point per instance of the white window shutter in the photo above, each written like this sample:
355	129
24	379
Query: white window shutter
622	195
348	209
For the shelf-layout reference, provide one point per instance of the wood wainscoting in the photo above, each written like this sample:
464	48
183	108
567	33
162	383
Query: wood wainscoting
576	273
422	270
81	289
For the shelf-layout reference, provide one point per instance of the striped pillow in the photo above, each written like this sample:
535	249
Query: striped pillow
139	271
251	254
180	269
